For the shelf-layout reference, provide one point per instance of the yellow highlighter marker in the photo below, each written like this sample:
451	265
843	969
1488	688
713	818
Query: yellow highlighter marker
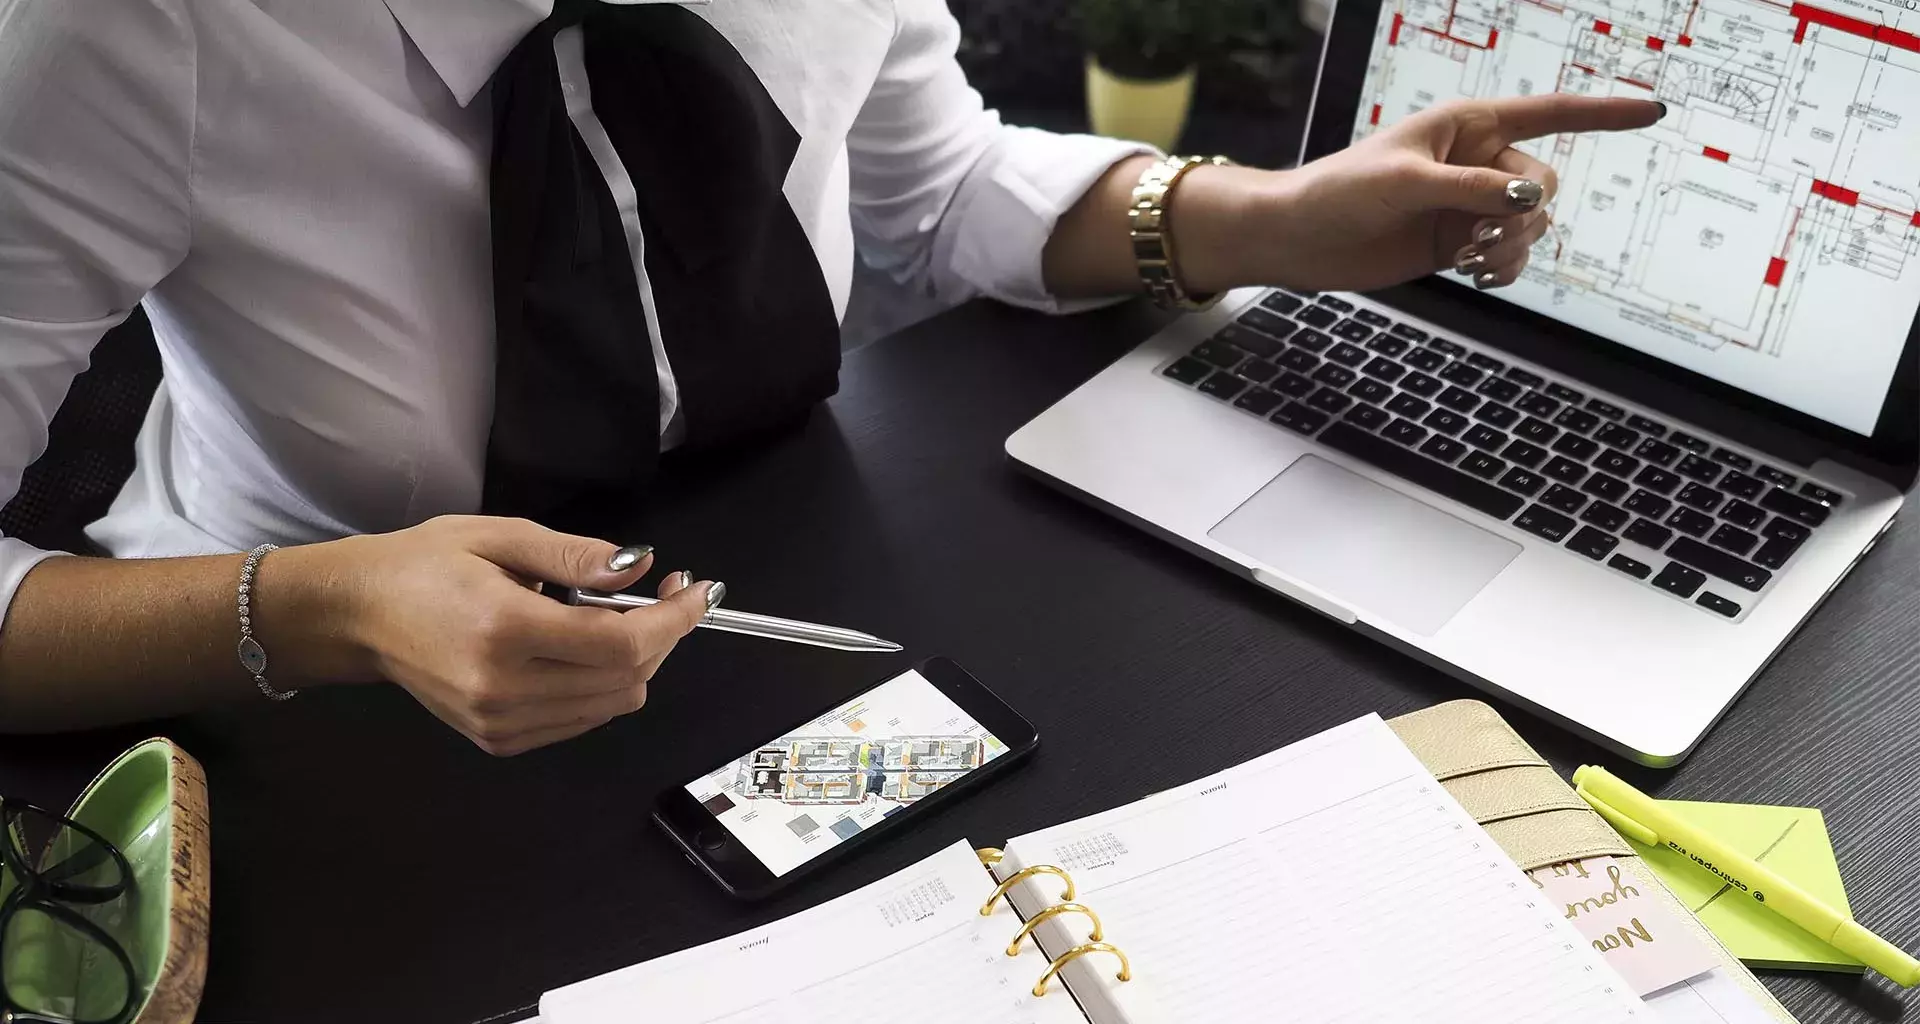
1641	818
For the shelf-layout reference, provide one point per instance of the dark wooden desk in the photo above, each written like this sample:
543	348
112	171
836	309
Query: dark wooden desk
370	865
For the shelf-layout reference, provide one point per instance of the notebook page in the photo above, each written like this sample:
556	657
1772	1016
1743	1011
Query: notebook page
1335	878
911	944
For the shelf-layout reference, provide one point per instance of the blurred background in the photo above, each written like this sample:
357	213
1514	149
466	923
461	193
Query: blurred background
1190	76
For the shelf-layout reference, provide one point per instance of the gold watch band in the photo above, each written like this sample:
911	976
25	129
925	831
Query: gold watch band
1152	232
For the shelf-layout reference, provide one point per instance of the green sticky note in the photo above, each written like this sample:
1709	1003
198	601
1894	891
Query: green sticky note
1790	840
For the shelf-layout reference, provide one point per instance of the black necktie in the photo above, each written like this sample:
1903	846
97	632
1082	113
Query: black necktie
744	313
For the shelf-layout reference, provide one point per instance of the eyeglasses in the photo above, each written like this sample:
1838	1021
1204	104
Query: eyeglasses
57	965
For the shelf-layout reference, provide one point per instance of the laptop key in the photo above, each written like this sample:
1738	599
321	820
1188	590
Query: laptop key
1732	458
1593	543
1482	465
1346	355
1266	321
1698	468
1741	485
1367	389
1565	470
1657	452
1422	385
1706	499
1484	437
1461	374
1424	359
1498	389
1715	603
1259	401
1293	385
1402	432
1600	485
1446	449
1564	393
1188	370
1733	538
1526	483
1408	406
1333	375
1649	534
1678	579
1787	530
1536	404
1616	462
1605	408
1352	331
1605	515
1714	562
1653	478
1295	416
1409	333
1537	431
1219	353
1384	369
1450	348
1527	455
1223	386
1281	302
1636	569
1690	522
1259	371
1617	436
1317	316
1298	360
1646	503
1446	421
1524	378
1544	522
1369	417
1251	341
1647	426
1458	399
1335	303
1388	345
1497	414
1794	507
1578	420
1442	480
1312	340
1689	442
1820	494
1371	318
1777	477
1743	515
1564	498
1485	362
1774	553
1576	446
1329	400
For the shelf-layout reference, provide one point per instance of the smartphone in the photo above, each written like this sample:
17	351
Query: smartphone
844	779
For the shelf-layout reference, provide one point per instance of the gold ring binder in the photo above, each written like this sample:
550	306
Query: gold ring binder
1013	948
986	909
1126	969
989	856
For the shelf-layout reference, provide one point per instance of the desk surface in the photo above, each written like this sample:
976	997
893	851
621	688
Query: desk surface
369	864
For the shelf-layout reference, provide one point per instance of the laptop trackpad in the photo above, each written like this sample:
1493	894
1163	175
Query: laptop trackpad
1371	547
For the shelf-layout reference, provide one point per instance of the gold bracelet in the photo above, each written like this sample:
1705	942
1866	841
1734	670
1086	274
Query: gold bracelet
1152	231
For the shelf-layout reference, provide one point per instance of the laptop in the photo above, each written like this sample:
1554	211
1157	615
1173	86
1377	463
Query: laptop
1610	492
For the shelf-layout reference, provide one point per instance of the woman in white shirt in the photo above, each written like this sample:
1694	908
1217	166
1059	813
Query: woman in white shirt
298	194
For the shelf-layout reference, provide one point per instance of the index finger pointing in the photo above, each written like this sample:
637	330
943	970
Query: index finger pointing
1531	117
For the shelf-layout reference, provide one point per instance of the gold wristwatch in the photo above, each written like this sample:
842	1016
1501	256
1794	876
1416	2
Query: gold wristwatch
1152	231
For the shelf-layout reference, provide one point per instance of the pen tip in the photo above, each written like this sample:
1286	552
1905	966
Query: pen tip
888	646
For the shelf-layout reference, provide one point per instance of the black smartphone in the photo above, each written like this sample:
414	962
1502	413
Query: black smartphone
844	779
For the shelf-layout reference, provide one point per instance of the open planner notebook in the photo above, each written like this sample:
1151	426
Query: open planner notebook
1332	880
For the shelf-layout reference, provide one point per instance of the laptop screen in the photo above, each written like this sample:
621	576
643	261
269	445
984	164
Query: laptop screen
1766	233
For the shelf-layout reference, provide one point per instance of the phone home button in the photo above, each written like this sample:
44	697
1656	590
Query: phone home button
711	839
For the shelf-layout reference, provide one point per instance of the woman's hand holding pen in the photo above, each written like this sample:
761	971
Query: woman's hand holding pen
448	610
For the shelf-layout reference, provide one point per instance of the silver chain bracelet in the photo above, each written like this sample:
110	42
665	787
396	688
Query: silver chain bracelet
253	657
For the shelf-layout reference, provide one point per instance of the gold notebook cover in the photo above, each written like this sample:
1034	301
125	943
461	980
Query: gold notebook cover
1530	811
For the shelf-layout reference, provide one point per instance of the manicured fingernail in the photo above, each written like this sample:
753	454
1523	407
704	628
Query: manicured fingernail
1489	234
1486	280
1469	262
1525	195
627	558
1663	110
716	593
685	579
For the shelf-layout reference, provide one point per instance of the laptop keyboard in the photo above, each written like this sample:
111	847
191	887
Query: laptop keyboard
1701	521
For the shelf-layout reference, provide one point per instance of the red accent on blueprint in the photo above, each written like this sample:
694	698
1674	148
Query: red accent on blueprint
1843	196
1605	28
1715	154
1635	82
1809	15
1656	44
1776	271
1393	34
1685	39
1916	220
1374	118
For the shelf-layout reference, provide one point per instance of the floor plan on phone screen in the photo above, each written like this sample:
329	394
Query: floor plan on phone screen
793	798
1764	232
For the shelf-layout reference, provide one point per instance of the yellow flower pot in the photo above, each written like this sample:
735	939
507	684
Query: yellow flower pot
1153	112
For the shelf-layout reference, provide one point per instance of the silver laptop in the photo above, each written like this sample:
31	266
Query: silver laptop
1612	491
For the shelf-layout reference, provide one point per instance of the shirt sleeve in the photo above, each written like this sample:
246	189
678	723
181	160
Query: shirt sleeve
96	125
948	200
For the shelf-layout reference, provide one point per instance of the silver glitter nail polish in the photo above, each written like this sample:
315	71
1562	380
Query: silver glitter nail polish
716	593
686	580
1486	280
628	557
1469	263
1489	235
1525	195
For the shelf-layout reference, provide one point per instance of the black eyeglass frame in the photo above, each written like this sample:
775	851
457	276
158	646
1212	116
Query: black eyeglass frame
48	893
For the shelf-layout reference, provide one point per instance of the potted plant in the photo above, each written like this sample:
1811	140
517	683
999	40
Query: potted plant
1142	57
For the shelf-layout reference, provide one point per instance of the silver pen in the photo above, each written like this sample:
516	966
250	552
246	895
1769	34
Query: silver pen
768	626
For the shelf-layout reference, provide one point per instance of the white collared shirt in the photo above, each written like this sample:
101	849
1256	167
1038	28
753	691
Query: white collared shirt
298	193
